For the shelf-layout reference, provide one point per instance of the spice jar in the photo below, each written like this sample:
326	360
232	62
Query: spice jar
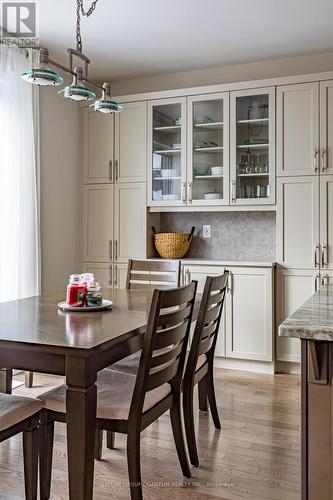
76	291
94	294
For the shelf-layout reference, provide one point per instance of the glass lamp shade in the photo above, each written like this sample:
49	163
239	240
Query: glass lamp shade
42	77
77	93
106	106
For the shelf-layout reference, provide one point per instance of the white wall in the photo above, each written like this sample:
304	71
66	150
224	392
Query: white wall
226	74
60	188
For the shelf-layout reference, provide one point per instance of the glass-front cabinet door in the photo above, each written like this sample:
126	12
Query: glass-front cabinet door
208	150
167	165
252	146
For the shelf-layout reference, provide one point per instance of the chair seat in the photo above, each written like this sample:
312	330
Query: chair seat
130	364
15	409
114	395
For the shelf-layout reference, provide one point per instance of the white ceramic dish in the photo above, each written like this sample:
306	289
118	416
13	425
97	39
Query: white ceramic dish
216	170
212	196
105	305
167	197
168	172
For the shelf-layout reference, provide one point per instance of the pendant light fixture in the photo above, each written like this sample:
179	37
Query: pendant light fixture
79	90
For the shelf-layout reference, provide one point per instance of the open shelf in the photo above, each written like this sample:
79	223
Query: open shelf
253	175
255	121
166	178
209	149
168	129
253	146
207	177
167	151
209	125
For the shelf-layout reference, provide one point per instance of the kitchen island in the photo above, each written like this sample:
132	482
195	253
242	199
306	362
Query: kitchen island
313	325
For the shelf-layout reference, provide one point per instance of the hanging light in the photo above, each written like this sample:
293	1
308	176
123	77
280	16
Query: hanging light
106	104
77	91
42	74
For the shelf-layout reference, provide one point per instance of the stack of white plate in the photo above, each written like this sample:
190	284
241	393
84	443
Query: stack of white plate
168	172
216	170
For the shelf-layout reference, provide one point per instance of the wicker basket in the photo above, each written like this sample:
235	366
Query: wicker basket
172	245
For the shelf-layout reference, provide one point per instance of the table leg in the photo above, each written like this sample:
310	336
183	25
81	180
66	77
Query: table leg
81	401
6	379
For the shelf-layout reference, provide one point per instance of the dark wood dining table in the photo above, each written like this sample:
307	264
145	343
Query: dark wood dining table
35	335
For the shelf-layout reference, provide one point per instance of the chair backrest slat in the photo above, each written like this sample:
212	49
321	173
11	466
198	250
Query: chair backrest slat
151	274
165	342
208	323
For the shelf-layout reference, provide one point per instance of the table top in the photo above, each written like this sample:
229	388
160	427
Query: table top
314	319
37	320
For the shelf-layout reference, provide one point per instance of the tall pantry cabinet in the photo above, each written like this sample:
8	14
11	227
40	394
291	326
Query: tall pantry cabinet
114	191
304	198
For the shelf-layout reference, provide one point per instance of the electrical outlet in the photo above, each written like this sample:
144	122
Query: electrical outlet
206	231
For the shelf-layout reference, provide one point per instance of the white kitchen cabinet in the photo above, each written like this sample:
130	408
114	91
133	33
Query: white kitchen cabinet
199	274
326	127
131	142
97	147
249	318
297	223
130	221
298	129
108	275
326	221
252	147
97	230
293	288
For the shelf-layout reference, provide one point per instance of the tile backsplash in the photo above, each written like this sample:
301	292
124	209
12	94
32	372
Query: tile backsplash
246	236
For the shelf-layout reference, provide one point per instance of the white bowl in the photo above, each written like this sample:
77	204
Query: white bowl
168	172
213	196
169	197
216	170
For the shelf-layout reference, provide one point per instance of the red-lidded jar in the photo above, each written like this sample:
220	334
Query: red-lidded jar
76	291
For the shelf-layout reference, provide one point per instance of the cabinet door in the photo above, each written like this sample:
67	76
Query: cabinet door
119	275
297	223
297	129
326	127
97	147
252	147
293	288
208	150
326	221
102	272
167	152
199	274
131	142
249	327
130	239
97	223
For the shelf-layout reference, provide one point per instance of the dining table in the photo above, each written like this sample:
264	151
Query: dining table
36	335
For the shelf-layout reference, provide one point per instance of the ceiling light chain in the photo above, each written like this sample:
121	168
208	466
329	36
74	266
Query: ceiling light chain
80	10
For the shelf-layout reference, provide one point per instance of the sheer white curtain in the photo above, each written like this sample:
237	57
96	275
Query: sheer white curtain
19	178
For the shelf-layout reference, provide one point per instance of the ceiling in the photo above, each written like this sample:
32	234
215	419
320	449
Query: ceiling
129	38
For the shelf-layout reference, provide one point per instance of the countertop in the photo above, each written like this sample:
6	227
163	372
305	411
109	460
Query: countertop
314	319
240	263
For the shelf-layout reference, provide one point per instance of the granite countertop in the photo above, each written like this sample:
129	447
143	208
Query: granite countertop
314	319
220	262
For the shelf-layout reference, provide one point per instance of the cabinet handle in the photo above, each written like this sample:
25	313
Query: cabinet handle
317	281
115	250
324	280
315	160
323	160
324	255
229	286
115	276
111	171
184	192
116	170
233	192
189	187
316	259
187	277
110	249
110	276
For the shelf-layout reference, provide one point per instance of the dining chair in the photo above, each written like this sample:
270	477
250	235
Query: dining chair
200	363
127	403
151	274
21	414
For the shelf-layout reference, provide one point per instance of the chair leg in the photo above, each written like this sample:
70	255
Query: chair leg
98	444
203	398
45	459
110	439
29	379
178	434
30	454
189	425
133	461
212	399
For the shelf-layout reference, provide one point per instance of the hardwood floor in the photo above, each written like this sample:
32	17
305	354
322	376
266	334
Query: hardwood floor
255	456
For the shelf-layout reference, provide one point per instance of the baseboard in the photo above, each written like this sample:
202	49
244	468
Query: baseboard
245	365
288	367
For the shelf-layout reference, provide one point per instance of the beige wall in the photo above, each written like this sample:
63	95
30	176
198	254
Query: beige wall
60	185
227	74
